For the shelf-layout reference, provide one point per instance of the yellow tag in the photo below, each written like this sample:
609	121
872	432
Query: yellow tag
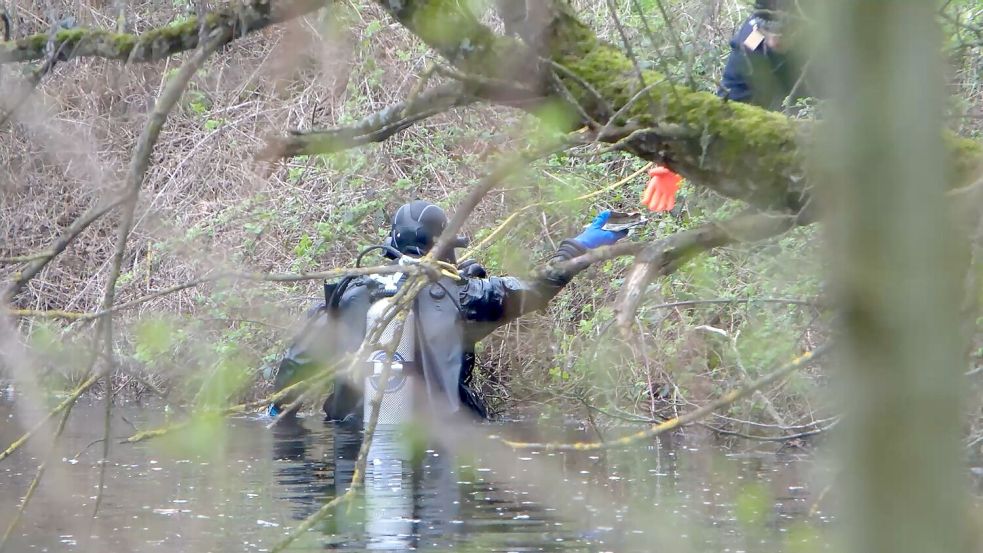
754	40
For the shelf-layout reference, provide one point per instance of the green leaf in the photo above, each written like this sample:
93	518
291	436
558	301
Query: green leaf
372	28
303	247
213	124
153	337
227	378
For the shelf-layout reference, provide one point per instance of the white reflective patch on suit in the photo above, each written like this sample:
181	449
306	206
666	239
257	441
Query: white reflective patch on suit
390	283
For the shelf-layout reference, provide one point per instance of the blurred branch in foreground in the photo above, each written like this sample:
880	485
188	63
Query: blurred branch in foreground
897	266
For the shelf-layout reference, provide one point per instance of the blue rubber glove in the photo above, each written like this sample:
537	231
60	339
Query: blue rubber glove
594	237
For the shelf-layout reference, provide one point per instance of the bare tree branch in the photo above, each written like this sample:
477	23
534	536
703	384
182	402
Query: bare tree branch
663	256
255	277
419	105
375	128
40	260
785	438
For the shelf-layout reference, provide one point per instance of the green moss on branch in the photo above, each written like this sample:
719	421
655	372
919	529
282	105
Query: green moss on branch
739	150
450	28
235	19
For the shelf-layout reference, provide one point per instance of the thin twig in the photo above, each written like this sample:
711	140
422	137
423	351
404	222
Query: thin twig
628	105
106	430
688	303
664	255
502	171
377	127
568	96
86	448
602	104
630	52
682	420
687	60
504	224
255	277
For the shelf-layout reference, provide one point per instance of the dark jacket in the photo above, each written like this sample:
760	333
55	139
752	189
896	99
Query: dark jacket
451	317
761	76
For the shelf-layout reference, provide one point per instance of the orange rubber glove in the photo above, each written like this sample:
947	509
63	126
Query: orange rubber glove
660	193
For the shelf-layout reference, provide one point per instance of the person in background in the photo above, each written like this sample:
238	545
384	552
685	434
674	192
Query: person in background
762	68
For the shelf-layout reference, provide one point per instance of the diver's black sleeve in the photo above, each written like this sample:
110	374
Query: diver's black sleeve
302	358
499	300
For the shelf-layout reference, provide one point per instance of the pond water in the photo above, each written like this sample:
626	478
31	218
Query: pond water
236	485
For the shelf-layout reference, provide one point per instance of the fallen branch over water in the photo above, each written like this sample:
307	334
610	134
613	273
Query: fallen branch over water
784	438
693	416
65	404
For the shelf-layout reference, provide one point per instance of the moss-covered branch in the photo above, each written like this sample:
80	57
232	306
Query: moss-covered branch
450	28
240	18
738	150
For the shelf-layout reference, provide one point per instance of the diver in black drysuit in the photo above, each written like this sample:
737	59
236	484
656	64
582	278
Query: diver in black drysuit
450	316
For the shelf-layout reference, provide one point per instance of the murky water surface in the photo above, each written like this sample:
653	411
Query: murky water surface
238	486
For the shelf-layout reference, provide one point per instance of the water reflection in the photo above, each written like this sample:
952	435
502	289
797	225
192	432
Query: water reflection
411	500
243	487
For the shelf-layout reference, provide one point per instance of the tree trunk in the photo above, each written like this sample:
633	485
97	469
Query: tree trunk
897	273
